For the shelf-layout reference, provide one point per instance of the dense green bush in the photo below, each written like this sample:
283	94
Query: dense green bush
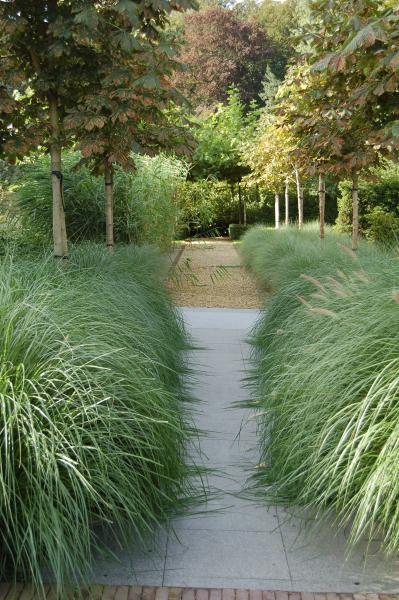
326	379
93	408
206	206
236	230
197	206
144	201
383	228
378	193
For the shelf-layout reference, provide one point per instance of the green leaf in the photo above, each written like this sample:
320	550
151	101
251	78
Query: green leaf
323	64
148	82
128	8
127	41
365	38
88	17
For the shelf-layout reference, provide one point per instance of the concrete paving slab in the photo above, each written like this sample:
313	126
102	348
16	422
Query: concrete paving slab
143	560
222	453
226	337
232	513
219	318
218	553
318	555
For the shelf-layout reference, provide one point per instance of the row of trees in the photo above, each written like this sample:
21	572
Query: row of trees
93	75
336	112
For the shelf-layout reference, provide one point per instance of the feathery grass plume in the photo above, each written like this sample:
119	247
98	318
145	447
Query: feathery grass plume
94	411
328	388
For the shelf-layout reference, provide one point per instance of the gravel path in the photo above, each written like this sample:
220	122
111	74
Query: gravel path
210	274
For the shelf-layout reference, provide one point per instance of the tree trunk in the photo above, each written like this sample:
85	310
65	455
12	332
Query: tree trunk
244	209
59	226
232	192
355	211
287	203
239	205
322	203
300	199
277	210
109	205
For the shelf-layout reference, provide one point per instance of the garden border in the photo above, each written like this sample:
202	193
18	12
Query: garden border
22	591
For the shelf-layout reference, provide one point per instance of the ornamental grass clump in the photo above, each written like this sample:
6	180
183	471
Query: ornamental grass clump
94	425
326	378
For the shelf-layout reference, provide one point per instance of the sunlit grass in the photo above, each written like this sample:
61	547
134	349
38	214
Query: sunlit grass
326	379
94	426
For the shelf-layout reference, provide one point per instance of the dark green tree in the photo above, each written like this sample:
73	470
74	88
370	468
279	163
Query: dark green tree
220	137
55	48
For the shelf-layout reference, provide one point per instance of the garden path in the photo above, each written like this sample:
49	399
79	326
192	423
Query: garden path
210	274
235	542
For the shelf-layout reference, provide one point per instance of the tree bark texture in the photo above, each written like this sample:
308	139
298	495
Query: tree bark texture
287	203
300	198
59	226
355	211
277	211
322	203
109	206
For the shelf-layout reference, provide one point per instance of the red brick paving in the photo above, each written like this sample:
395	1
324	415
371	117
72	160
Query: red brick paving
124	592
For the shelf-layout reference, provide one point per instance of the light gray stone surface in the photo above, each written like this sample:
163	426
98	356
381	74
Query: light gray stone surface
236	542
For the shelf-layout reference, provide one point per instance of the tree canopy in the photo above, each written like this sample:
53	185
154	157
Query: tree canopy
87	69
220	137
220	50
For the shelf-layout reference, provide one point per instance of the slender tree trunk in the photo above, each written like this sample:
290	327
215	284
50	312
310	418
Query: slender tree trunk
59	226
355	211
233	198
322	203
244	209
109	205
287	202
277	210
239	205
300	199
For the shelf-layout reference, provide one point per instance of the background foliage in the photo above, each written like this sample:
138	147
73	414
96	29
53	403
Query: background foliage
220	50
144	211
378	200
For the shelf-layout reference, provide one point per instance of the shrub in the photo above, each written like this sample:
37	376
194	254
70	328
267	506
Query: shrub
144	206
237	230
204	206
380	192
326	380
383	228
155	187
196	206
94	424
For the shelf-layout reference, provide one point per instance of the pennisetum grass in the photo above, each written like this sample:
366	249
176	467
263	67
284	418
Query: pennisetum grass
326	379
94	420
